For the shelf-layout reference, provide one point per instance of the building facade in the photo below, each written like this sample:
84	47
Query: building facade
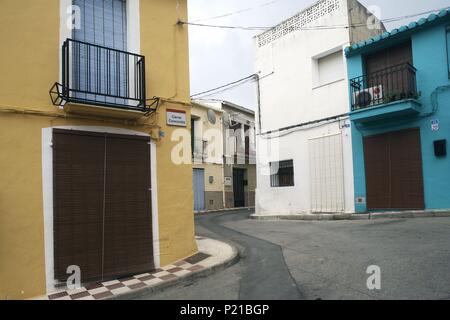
224	165
88	177
400	92
304	145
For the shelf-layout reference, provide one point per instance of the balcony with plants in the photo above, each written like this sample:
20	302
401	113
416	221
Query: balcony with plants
388	93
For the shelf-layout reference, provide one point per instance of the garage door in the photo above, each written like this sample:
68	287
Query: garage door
393	164
327	174
102	205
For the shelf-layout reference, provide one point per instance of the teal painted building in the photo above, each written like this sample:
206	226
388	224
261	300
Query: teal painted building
400	113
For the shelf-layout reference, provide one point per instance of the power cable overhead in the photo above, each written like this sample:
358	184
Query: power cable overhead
323	27
236	12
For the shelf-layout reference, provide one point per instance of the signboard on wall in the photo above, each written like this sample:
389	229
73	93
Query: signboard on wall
176	118
435	125
228	181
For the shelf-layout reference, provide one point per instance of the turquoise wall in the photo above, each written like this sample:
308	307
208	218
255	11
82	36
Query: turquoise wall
430	59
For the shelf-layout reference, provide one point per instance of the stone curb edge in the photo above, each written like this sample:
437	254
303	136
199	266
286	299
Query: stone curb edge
183	280
343	217
202	213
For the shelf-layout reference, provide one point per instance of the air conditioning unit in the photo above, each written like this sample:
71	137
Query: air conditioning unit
368	97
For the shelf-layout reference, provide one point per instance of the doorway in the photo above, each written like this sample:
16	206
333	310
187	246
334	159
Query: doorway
102	205
394	177
199	189
239	187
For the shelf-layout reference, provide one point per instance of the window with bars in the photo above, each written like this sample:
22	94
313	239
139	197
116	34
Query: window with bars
282	174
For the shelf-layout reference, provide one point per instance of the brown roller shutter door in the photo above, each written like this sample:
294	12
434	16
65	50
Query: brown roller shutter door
128	220
102	205
393	164
78	203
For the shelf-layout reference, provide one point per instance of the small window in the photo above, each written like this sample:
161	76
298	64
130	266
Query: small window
282	174
330	68
448	49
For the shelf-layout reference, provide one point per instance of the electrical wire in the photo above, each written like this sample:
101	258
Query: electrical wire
229	86
320	27
223	86
237	12
303	126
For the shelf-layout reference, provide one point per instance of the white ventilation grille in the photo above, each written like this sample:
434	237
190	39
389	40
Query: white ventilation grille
299	21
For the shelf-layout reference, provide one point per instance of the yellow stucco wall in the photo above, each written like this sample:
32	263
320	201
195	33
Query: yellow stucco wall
29	65
211	166
214	170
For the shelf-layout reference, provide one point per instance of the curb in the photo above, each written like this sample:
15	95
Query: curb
202	213
183	280
354	217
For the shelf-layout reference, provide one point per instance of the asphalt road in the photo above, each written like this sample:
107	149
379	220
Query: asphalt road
324	260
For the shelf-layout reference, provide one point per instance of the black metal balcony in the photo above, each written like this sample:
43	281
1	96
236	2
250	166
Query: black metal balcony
382	87
101	76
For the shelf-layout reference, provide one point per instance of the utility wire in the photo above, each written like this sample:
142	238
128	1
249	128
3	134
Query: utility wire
229	86
234	84
223	86
323	27
225	27
236	12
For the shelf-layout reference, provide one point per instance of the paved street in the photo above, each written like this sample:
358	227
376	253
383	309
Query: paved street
325	260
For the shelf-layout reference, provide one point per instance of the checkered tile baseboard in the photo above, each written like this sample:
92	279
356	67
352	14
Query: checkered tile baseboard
103	290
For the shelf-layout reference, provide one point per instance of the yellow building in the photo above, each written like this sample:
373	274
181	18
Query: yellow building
86	172
223	152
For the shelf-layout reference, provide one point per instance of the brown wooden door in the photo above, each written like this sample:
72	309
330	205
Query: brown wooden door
386	68
388	58
78	174
128	219
102	205
393	166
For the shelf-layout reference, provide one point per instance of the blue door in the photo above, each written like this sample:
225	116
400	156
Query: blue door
198	178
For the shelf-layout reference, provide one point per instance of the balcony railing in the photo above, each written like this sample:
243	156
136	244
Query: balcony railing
388	85
101	76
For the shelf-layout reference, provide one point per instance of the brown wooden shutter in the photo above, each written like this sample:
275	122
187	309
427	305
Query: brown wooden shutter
407	175
128	215
393	166
78	167
386	68
390	57
376	157
102	205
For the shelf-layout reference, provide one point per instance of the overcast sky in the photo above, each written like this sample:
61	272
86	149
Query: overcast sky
220	56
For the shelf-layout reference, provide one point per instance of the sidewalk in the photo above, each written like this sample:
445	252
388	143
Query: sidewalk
213	256
349	216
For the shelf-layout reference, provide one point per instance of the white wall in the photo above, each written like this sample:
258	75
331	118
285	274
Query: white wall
293	93
290	95
297	199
